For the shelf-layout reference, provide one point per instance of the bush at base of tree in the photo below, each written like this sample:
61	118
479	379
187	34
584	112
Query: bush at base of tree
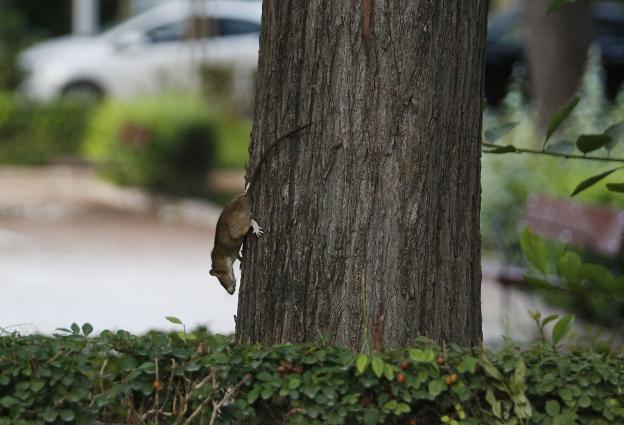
201	378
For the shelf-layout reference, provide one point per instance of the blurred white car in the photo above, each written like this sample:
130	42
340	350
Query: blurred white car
157	51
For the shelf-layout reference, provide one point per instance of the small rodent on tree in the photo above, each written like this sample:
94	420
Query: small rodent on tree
233	225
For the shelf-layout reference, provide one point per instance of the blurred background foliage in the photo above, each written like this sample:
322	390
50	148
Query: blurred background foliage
164	144
509	179
184	138
24	22
187	137
33	133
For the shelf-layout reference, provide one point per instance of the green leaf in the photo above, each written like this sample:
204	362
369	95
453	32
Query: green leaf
330	393
266	393
390	405
493	134
49	415
590	142
495	404
534	249
436	387
416	354
502	149
566	418
174	320
563	113
253	395
403	408
361	363
37	386
552	408
517	380
67	415
562	328
489	367
309	390
549	319
616	187
469	364
378	366
8	401
294	383
600	277
75	328
87	329
566	394
388	372
569	266
585	184
614	131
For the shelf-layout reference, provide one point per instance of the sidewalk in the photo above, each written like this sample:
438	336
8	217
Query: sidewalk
74	248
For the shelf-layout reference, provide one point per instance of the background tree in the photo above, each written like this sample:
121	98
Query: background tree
556	52
371	215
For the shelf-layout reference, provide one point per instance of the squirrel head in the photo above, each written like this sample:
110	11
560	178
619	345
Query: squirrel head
226	278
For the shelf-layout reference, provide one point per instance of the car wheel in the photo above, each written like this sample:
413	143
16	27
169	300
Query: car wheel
83	91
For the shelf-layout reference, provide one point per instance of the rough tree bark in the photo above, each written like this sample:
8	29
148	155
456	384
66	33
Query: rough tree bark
371	215
557	53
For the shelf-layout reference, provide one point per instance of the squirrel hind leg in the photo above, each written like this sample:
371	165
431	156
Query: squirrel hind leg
257	230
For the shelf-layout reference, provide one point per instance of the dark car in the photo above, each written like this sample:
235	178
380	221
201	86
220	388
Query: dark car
505	56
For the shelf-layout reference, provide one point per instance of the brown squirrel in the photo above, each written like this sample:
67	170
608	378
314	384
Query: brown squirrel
233	225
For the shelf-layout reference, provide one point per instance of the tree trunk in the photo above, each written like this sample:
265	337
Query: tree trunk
371	215
557	53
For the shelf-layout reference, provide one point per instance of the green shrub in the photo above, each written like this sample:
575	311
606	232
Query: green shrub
165	144
121	378
32	133
587	289
233	146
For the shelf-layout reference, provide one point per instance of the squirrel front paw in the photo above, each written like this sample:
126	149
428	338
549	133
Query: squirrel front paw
257	230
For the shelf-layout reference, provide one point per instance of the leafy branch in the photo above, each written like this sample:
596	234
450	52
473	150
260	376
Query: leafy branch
515	149
585	143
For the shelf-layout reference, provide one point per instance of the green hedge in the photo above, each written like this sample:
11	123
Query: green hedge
165	143
121	378
32	133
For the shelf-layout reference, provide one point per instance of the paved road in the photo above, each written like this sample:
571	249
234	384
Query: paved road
73	248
